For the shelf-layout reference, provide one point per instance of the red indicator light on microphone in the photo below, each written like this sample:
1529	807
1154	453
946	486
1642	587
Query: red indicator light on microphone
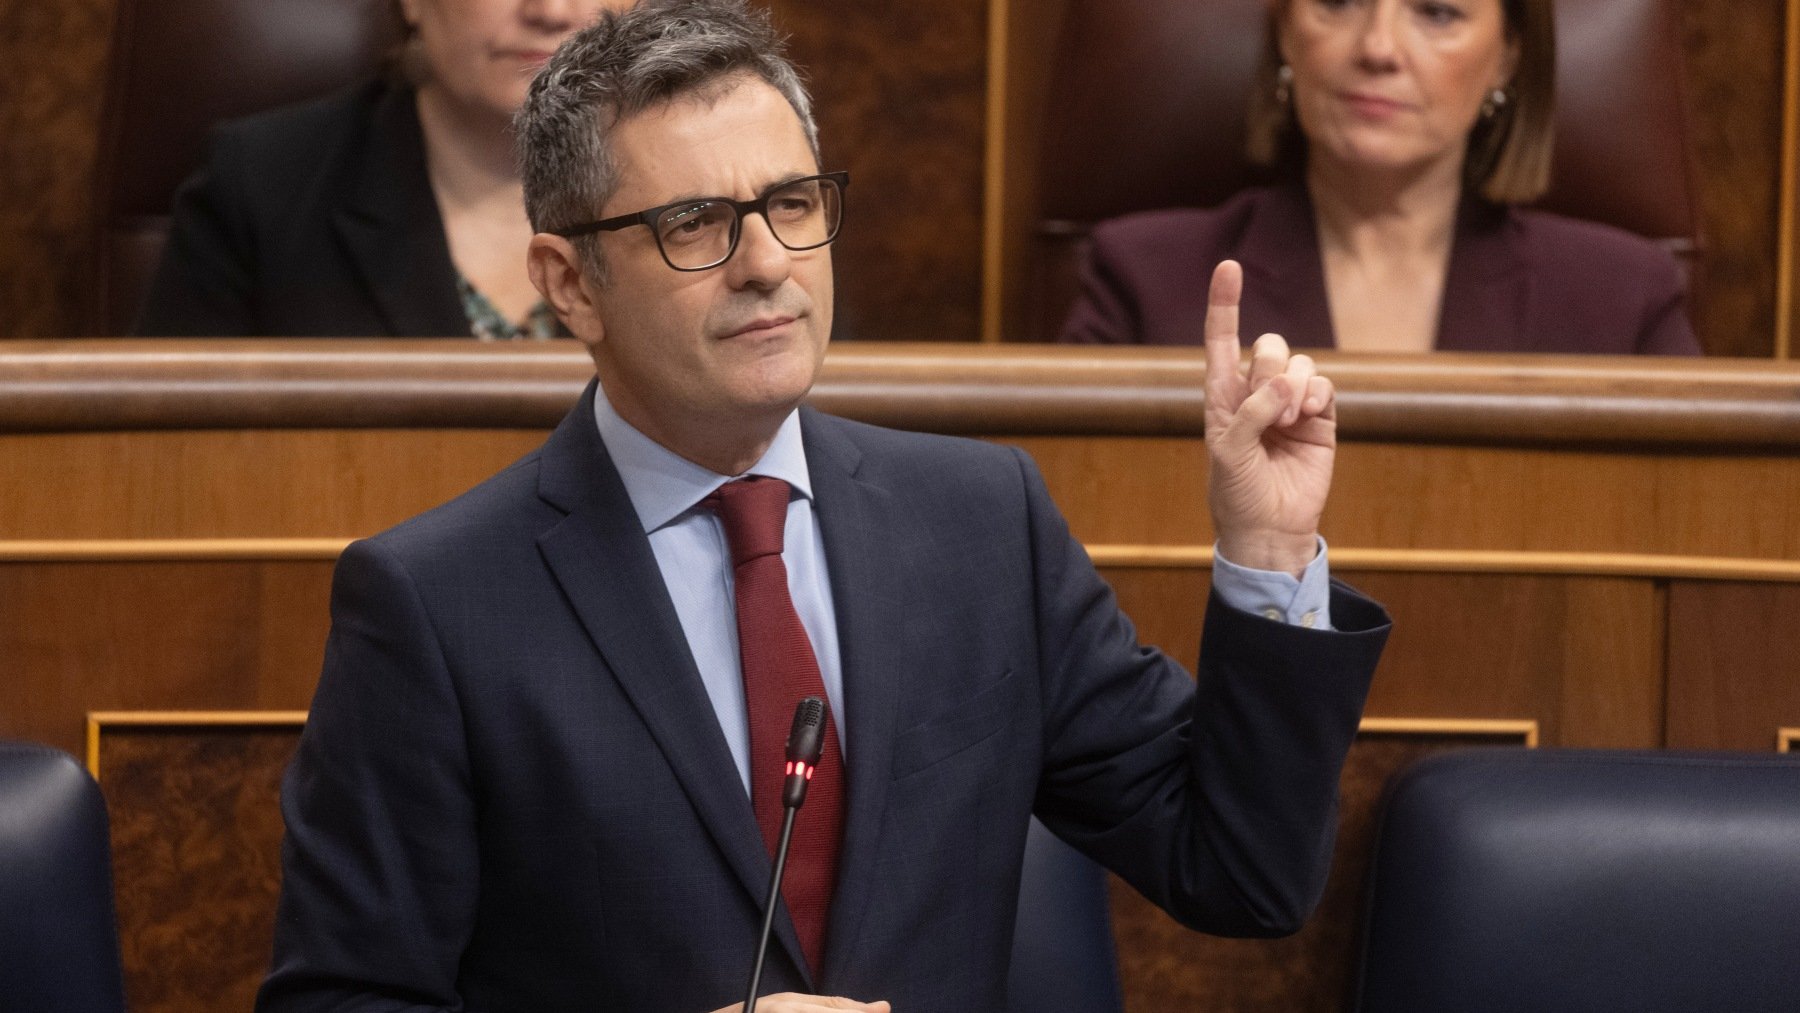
790	767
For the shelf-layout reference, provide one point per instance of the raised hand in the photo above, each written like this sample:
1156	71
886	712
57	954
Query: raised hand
1271	436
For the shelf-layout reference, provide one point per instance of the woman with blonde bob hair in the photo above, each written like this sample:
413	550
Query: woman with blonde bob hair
1405	135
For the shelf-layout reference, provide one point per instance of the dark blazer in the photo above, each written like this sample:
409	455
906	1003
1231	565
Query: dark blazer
311	220
1518	281
512	793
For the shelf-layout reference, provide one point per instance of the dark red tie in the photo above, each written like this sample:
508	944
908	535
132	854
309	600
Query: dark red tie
779	671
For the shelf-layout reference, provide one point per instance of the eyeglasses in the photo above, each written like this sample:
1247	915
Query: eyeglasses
694	235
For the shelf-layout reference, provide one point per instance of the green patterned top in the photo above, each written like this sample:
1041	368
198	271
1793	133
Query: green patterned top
489	324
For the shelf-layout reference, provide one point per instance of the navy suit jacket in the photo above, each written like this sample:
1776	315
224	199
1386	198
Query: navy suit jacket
1518	280
313	220
513	794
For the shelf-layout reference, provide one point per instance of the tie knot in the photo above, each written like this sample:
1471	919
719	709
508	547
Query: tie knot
754	513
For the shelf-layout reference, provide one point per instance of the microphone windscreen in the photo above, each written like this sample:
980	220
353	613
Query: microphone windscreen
807	739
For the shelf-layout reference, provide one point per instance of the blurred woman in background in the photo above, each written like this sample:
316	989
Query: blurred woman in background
1408	132
391	209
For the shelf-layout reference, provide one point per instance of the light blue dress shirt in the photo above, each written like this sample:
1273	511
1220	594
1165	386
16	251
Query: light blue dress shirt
691	551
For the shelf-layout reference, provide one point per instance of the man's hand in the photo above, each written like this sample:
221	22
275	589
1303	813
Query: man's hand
1271	435
790	1002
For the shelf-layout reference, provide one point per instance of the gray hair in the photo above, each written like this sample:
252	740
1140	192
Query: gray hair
624	63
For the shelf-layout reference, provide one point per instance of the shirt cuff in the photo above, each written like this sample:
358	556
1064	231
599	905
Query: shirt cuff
1275	594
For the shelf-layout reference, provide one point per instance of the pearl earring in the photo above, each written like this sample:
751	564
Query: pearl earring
1496	100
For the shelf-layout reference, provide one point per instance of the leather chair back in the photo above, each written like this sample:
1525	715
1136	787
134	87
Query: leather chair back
178	67
1146	109
1564	881
59	937
1063	956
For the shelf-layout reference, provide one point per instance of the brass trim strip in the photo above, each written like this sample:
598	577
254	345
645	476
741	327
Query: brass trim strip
1115	555
993	214
98	721
1787	740
139	550
1524	729
1785	281
1594	564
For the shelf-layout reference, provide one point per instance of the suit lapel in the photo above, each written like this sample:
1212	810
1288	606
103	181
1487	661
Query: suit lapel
1284	276
601	558
1487	291
390	227
856	521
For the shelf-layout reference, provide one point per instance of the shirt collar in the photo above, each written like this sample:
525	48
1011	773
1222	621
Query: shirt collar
664	485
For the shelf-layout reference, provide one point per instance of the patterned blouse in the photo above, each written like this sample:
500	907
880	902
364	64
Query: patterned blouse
489	324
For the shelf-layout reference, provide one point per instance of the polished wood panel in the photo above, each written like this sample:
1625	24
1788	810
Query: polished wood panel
1735	54
1607	551
155	635
312	483
899	88
1580	656
1165	967
1636	404
1787	266
1734	664
52	61
196	829
1148	491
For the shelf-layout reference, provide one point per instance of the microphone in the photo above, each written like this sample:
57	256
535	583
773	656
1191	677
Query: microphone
805	743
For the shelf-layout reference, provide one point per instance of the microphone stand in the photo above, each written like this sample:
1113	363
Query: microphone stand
806	741
768	924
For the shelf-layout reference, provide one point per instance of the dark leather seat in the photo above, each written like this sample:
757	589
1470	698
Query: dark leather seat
1146	105
1063	956
59	942
1590	881
178	67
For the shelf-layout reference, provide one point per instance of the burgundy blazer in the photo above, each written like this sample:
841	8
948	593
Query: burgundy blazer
1519	281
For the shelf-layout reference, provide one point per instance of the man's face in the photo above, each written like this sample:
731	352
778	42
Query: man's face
736	345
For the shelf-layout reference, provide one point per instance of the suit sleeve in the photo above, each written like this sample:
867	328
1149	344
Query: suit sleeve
1215	799
203	284
380	872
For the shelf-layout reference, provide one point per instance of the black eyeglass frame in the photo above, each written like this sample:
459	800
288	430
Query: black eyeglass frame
741	208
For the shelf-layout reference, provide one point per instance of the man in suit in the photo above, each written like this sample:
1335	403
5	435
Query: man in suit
536	772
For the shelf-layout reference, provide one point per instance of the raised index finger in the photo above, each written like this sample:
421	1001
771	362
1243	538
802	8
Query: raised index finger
1222	347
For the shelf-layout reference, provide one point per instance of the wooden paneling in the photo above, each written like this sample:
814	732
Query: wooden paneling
1787	280
1582	656
52	61
190	484
81	637
900	91
1734	664
152	557
1735	62
1149	490
1165	967
196	829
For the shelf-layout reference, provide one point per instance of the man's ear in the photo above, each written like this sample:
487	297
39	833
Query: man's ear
555	270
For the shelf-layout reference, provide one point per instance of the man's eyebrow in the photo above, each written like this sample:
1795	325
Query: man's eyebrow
695	198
